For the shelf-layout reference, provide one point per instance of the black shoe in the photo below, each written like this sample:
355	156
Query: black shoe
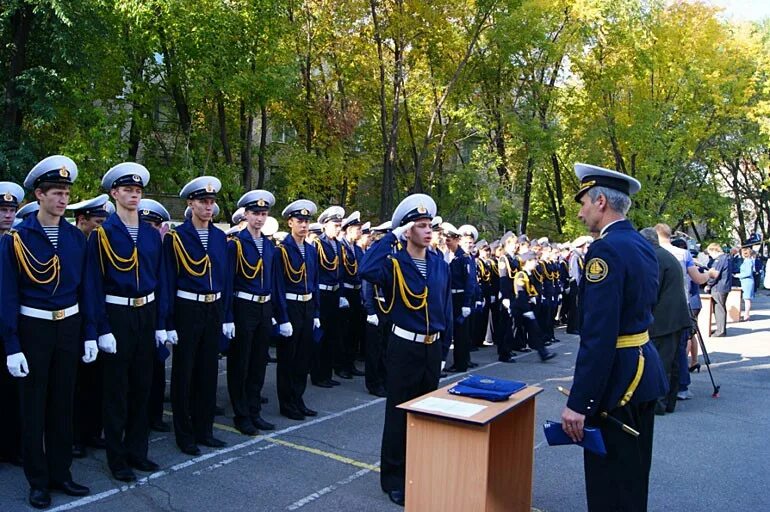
191	449
695	368
473	365
547	343
474	348
261	424
160	426
292	414
219	411
380	392
525	349
246	427
555	340
71	488
660	410
145	465
212	442
545	355
506	359
443	375
78	451
263	400
454	369
323	384
355	372
334	382
671	407
344	374
306	411
396	497
124	475
39	498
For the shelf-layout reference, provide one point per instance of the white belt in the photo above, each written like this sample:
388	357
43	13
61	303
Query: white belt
458	290
199	297
299	297
413	336
352	286
259	299
328	288
44	314
129	301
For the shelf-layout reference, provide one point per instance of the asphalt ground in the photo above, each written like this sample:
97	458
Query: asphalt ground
710	455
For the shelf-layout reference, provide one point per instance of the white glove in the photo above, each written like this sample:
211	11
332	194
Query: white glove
107	343
228	330
316	323
90	351
173	337
566	291
443	365
160	337
479	303
399	231
533	300
507	304
529	314
272	321
372	319
344	303
286	330
465	312
17	365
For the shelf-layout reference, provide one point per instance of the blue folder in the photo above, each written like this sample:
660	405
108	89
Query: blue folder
592	437
487	388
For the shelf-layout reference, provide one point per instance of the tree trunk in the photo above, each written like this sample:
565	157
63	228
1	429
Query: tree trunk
21	28
527	195
222	120
554	206
262	164
175	86
246	127
559	191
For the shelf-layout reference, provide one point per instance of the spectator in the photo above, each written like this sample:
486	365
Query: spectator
719	287
746	276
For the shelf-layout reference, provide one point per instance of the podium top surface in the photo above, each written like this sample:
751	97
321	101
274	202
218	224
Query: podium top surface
442	404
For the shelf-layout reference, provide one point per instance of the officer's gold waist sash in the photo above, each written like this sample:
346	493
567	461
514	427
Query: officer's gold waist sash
631	341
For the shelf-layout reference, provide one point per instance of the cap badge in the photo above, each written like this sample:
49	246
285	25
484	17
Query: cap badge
304	211
136	178
209	187
421	209
145	212
586	185
261	202
8	197
64	173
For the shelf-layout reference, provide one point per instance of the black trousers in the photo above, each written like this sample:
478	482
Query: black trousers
194	369
294	354
505	333
720	313
574	318
376	343
619	481
462	334
247	357
479	325
351	332
667	350
412	370
531	330
10	427
52	349
88	400
494	310
326	352
545	315
127	379
157	390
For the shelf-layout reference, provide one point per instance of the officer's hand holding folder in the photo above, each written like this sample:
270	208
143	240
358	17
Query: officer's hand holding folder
592	437
487	388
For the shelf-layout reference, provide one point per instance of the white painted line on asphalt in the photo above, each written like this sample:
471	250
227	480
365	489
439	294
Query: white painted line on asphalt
329	488
87	500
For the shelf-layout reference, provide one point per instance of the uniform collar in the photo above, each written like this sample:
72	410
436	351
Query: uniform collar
617	223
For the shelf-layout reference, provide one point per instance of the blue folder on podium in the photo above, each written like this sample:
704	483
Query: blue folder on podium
592	437
487	388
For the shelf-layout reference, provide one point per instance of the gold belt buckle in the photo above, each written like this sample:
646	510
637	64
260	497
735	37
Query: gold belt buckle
209	297
139	302
430	338
58	314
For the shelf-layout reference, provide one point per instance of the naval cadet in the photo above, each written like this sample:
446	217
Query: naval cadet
155	215
11	195
254	275
327	351
617	370
421	323
126	276
196	267
90	213
299	306
27	210
525	304
463	277
377	327
576	268
352	330
41	300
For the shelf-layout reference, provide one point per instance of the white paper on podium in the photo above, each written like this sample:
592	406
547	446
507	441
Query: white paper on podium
453	407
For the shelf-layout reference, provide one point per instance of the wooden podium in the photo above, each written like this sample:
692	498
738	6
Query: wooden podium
470	463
